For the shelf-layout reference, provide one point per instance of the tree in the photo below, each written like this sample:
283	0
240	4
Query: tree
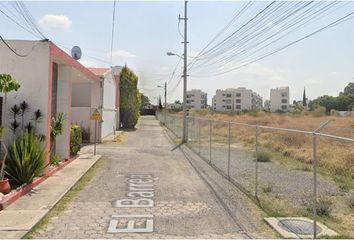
160	104
304	99
7	84
130	98
145	101
349	89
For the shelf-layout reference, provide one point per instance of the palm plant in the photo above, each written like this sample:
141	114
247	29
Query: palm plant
15	111
24	107
13	126
26	158
7	84
37	116
57	128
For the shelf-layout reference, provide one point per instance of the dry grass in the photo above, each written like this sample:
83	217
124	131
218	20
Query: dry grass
335	157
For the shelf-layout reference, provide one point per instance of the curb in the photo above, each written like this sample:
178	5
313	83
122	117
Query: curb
29	187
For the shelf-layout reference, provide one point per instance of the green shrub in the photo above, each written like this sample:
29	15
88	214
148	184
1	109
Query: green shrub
75	139
55	160
263	156
130	99
25	159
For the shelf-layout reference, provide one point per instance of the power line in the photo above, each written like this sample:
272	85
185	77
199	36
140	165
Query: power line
18	24
14	51
333	24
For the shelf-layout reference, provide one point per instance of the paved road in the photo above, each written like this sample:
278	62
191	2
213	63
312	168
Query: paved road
184	204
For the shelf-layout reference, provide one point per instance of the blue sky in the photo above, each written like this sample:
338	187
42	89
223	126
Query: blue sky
145	31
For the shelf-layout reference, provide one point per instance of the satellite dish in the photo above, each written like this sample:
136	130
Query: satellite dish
76	53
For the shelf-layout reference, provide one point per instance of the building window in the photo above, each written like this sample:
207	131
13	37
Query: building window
223	94
228	95
238	106
238	100
284	107
284	101
228	101
228	107
223	100
284	94
238	94
223	106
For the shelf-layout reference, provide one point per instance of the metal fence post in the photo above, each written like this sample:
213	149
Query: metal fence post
256	182
228	153
210	127
314	163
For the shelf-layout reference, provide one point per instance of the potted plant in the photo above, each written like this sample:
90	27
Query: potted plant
7	84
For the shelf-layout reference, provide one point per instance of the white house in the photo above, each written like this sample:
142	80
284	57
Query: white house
196	99
103	96
52	81
279	99
236	99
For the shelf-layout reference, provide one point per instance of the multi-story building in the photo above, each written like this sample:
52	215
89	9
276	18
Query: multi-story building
196	99
236	99
279	99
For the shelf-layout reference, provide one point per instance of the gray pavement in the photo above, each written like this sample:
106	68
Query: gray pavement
185	203
22	215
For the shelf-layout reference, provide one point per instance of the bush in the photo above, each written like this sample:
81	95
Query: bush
351	201
335	113
319	112
263	156
75	139
323	206
26	159
55	160
130	99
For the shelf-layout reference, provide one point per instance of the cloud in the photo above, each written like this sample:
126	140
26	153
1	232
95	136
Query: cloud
55	22
122	53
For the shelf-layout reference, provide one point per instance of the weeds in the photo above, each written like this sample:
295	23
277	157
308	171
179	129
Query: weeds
263	156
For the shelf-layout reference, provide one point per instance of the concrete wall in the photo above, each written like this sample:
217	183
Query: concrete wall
32	72
109	105
62	145
81	95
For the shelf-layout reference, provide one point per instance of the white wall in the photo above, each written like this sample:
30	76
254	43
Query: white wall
81	95
276	99
32	72
109	106
62	143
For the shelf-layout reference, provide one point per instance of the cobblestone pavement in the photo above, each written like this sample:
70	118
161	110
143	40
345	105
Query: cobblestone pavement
184	205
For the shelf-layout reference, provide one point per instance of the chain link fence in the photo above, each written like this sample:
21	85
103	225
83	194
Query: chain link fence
288	172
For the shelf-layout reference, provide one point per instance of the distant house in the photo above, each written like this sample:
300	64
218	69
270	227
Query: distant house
196	99
236	99
52	81
279	99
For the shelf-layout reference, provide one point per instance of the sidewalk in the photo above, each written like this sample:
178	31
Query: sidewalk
21	216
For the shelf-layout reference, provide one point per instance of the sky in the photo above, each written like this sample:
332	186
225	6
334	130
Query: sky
145	31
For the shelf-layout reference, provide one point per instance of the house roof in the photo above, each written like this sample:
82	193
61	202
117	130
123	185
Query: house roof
99	71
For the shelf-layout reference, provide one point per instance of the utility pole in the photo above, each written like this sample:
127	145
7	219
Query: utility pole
184	135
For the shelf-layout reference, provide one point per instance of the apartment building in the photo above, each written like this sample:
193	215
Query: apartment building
236	99
279	99
196	99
